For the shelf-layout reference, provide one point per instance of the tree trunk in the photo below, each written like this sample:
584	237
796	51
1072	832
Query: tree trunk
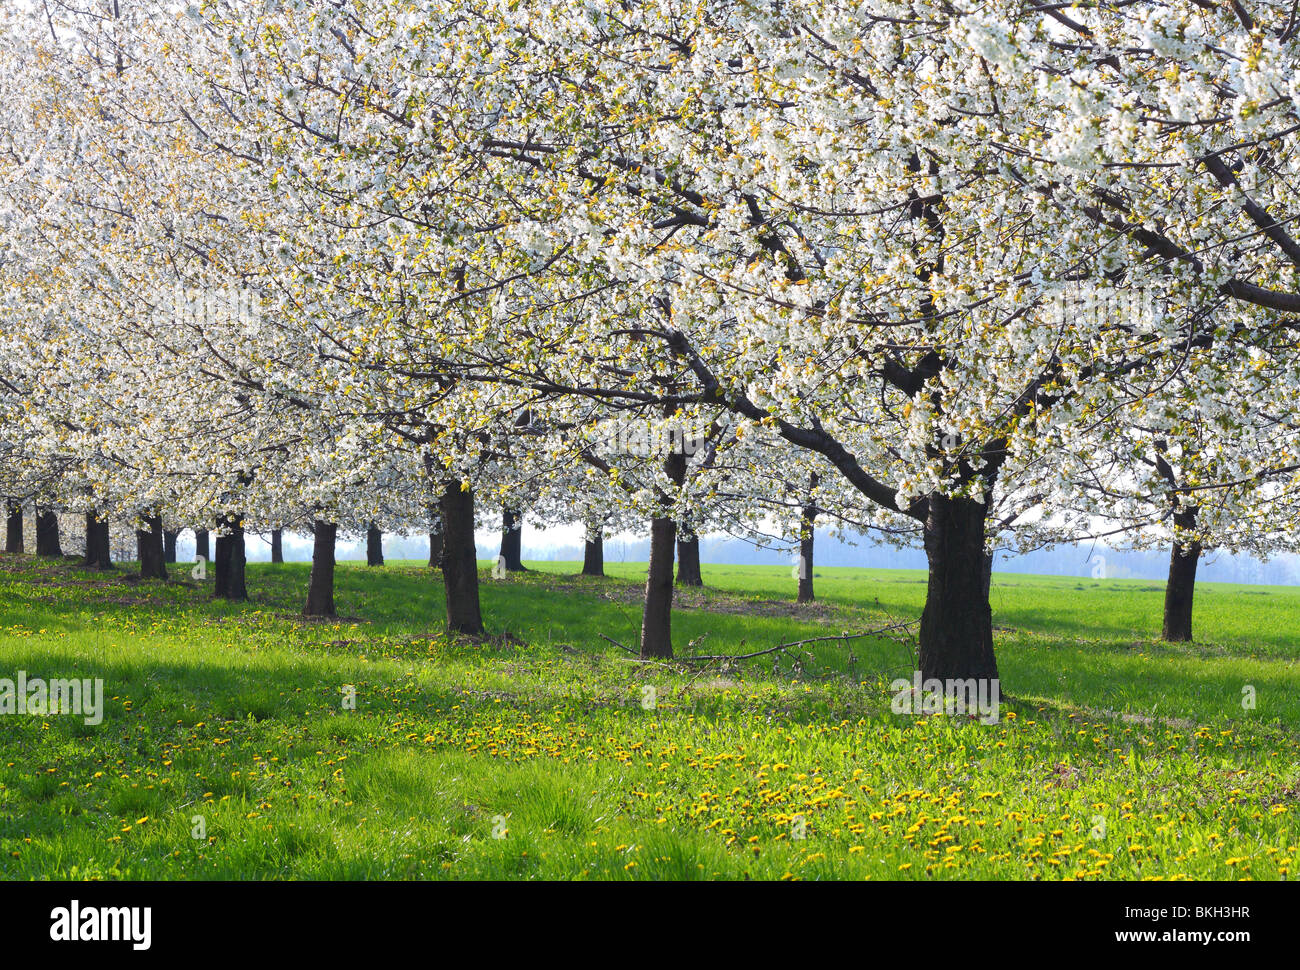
47	533
1179	591
808	518
956	636
169	546
657	614
238	562
688	559
459	560
221	566
320	589
149	548
230	560
98	554
593	554
512	540
14	528
807	534
201	547
277	545
988	575
435	548
144	552
374	546
657	617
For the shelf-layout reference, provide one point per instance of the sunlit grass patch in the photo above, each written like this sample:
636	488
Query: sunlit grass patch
227	749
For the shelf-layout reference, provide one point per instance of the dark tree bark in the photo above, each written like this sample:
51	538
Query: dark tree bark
14	528
657	617
807	534
374	546
956	636
688	558
512	540
593	554
149	548
238	561
230	560
459	560
221	566
320	589
1183	558
988	575
169	545
1180	590
435	548
47	533
98	553
808	519
201	547
657	614
277	545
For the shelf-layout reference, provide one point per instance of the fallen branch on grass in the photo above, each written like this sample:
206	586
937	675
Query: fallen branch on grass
619	645
801	643
732	657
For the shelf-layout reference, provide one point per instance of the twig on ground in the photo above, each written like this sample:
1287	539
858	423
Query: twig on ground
801	643
691	683
617	644
729	658
656	663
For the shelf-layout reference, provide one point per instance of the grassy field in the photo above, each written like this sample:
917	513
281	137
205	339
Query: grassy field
227	749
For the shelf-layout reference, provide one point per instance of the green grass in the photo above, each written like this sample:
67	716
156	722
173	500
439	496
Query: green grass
1116	756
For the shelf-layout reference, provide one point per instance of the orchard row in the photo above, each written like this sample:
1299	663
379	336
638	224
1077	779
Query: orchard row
979	276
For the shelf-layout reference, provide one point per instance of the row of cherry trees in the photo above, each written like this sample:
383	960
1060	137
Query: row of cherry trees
989	275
